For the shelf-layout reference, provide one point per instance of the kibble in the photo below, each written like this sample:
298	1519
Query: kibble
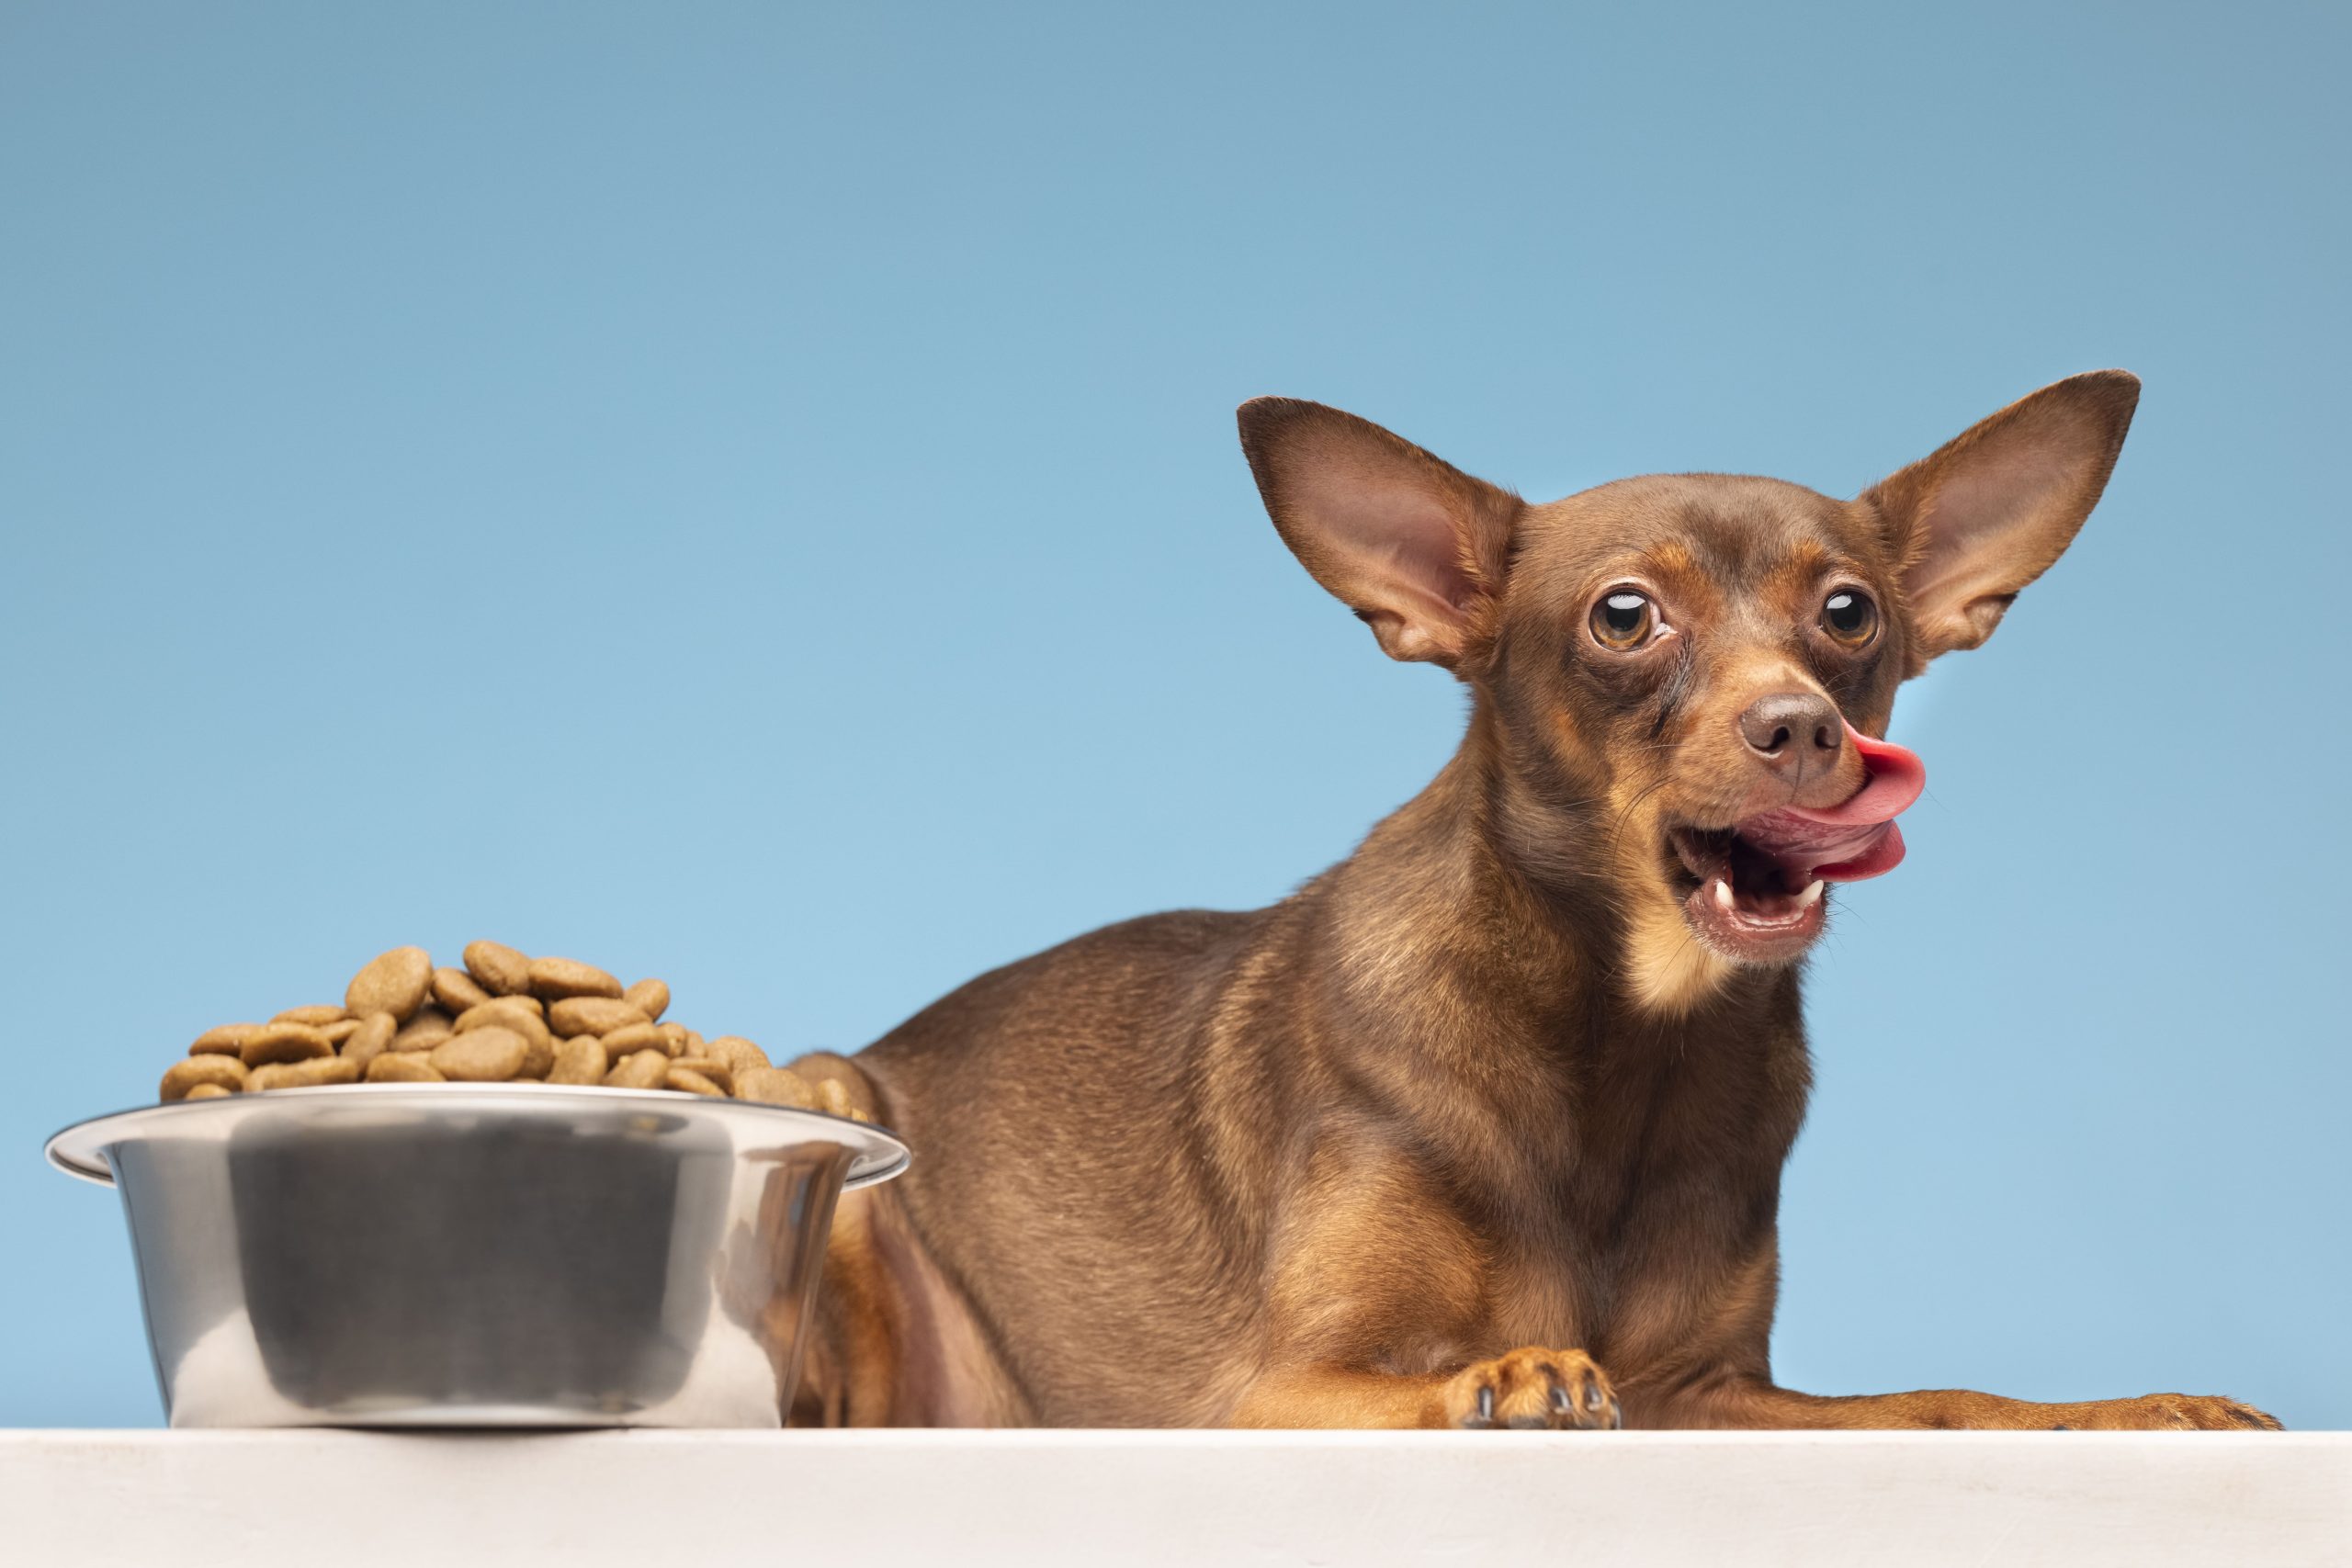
226	1074
582	1060
503	1017
288	1042
457	990
644	1071
320	1072
776	1086
228	1040
502	971
630	1037
738	1052
708	1068
531	1004
427	1029
555	978
395	982
498	1010
403	1066
372	1039
593	1015
831	1097
316	1073
508	1012
650	997
492	1054
692	1082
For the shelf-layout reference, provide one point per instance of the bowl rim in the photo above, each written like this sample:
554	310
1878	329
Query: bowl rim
79	1151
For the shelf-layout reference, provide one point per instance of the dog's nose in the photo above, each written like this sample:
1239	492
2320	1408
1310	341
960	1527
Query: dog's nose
1792	728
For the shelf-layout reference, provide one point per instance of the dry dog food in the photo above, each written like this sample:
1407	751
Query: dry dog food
501	1018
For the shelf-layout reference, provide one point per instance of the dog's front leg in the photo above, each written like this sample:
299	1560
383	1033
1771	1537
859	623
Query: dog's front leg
1378	1315
1743	1403
1531	1388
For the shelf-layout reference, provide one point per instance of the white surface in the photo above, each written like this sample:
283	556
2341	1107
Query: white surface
873	1498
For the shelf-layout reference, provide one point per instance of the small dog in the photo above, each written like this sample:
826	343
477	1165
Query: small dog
1484	1126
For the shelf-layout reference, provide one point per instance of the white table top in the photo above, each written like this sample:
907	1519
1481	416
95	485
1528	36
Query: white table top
644	1499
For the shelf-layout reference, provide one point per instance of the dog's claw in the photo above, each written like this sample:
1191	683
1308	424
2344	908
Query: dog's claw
1533	1389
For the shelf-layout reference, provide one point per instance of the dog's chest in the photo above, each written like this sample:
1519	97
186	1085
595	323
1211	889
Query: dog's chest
1650	1208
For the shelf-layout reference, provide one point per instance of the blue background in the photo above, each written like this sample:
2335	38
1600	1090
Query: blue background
748	495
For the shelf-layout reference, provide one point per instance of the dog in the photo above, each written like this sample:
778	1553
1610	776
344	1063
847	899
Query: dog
1484	1126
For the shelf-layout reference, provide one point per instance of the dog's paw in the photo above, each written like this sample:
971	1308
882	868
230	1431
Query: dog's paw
2170	1412
1533	1389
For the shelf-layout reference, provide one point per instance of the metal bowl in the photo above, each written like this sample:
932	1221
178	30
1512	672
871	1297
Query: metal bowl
477	1254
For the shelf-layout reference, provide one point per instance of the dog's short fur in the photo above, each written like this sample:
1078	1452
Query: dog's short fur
1476	1128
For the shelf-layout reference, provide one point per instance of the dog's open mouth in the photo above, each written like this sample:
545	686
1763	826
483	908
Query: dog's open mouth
1759	881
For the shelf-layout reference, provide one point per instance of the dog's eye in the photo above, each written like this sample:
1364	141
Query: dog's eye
1849	617
1623	620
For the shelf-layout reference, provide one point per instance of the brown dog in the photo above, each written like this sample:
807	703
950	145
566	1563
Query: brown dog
1501	1101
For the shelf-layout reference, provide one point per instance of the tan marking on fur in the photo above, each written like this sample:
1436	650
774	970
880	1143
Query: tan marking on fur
1672	558
1372	1264
1668	969
1341	1398
1804	557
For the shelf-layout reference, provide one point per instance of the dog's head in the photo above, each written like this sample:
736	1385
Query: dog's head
1663	663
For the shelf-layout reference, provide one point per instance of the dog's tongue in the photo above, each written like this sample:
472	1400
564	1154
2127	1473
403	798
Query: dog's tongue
1847	843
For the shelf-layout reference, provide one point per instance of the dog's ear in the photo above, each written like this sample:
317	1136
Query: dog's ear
1411	544
1987	513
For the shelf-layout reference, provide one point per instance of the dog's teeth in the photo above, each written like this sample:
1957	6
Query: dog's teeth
1723	896
1812	891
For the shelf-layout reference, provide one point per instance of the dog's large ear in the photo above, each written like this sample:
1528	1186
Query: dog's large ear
1989	512
1411	544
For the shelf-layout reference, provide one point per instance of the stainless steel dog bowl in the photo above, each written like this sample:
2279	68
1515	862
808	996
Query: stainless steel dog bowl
477	1254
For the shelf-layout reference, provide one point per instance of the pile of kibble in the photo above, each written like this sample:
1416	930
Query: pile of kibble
502	1018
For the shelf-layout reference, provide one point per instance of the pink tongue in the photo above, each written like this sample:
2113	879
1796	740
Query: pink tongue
1847	843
